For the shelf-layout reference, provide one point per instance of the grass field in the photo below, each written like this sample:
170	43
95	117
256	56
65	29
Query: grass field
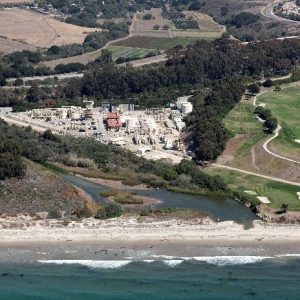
285	106
241	120
155	42
38	30
276	192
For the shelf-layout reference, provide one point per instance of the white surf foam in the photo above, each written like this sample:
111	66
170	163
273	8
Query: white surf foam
172	262
148	261
288	255
231	260
95	264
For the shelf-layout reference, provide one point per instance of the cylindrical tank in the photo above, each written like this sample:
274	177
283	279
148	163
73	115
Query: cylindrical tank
75	115
186	108
130	124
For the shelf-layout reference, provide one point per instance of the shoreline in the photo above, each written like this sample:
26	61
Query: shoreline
25	229
125	238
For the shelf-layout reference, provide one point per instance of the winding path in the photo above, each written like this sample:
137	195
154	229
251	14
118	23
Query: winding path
257	174
276	133
268	12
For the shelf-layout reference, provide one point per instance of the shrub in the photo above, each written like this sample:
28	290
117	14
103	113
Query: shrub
268	83
85	163
70	161
113	210
101	214
18	82
131	181
54	213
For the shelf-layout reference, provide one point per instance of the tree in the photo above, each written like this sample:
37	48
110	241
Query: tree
2	80
268	83
271	124
253	88
105	58
225	35
18	82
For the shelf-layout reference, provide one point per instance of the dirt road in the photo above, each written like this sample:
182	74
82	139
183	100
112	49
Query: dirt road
257	174
268	12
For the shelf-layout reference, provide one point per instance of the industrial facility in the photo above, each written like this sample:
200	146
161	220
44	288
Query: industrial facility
153	133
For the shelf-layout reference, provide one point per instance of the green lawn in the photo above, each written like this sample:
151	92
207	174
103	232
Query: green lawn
276	192
285	106
241	120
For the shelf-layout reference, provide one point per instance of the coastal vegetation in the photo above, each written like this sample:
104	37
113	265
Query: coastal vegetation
122	197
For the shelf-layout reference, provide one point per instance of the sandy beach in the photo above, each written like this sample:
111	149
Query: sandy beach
23	230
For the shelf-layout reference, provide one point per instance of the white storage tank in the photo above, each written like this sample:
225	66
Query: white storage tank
75	115
130	124
186	107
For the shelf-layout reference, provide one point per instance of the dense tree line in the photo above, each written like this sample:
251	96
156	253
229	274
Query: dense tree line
215	71
11	164
47	147
270	122
194	65
29	63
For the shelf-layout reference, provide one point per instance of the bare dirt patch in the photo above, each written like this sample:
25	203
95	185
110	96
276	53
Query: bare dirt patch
9	46
39	30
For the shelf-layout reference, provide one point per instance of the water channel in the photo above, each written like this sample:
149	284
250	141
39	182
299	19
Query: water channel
218	209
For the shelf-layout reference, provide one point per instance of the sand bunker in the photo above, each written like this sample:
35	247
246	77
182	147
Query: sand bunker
263	199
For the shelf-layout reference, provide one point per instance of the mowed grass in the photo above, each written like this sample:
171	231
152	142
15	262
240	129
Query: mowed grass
242	120
156	42
278	193
285	106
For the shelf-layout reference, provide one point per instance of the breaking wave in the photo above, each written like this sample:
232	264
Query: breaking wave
95	264
171	261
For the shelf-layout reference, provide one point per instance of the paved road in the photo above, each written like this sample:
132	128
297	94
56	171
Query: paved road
257	174
59	76
135	63
267	12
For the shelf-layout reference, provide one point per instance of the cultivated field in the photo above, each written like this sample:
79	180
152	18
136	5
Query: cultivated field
38	30
285	106
276	192
128	52
207	27
85	58
155	42
192	25
143	27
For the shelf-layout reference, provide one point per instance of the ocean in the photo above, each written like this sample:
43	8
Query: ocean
218	277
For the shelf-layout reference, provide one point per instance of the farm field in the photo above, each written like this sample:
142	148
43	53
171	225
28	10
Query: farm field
155	42
38	30
192	25
285	106
117	51
276	192
128	52
9	46
143	27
